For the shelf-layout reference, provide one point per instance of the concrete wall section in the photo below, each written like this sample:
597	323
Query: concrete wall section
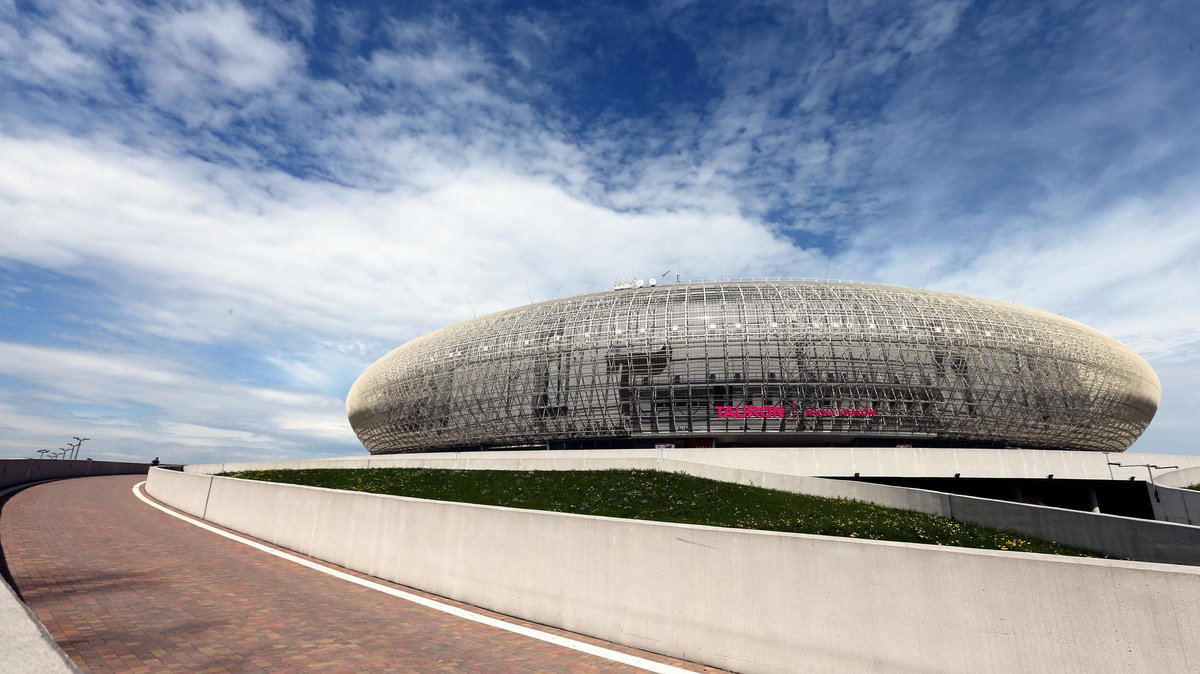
20	471
920	500
928	462
1176	505
543	460
819	461
1129	537
182	491
27	645
742	600
1184	477
1126	537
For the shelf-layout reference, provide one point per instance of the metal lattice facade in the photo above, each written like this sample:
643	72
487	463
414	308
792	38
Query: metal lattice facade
758	363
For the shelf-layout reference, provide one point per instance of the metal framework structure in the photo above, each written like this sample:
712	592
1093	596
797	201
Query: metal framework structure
757	363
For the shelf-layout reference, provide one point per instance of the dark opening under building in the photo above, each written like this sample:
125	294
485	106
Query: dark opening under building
757	363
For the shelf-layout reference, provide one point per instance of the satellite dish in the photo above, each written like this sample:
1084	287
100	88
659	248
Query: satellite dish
639	283
653	282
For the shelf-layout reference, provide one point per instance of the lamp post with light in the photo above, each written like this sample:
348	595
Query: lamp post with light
78	442
1150	468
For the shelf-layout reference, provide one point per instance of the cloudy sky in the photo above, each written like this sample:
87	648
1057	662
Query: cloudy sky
214	215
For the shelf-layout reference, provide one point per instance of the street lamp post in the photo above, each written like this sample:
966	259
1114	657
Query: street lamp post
78	443
1151	473
1150	468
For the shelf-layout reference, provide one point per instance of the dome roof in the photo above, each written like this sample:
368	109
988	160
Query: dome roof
758	363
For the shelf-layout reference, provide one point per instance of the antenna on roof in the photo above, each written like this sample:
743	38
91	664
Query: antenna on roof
927	273
530	293
472	309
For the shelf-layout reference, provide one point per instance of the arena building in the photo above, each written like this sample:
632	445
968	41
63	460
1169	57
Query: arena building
760	363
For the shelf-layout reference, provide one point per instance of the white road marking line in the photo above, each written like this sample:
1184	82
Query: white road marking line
608	654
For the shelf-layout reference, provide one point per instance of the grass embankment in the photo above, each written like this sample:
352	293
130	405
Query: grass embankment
666	497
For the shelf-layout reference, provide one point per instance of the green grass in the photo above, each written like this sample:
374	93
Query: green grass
666	497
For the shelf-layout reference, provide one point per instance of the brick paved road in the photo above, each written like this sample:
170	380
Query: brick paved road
124	587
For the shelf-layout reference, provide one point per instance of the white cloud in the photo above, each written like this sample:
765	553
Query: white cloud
209	263
1127	270
49	56
206	435
214	43
133	406
1120	270
444	67
312	425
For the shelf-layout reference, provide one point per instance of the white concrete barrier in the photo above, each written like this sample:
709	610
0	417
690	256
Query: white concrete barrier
920	500
27	646
1176	505
1184	477
748	601
1126	537
188	493
818	461
1168	542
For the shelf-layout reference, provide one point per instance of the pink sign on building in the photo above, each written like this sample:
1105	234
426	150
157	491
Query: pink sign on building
839	412
744	411
779	412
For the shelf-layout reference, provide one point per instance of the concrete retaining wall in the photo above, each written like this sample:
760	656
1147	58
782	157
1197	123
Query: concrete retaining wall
819	461
1125	537
547	460
741	600
1177	505
1184	477
182	491
20	471
1167	542
27	646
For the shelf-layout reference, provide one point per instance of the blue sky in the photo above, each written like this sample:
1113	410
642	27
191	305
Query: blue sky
214	215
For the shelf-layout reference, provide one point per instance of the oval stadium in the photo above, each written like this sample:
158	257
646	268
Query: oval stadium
755	364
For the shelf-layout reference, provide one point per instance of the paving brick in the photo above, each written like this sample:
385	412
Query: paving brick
123	587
